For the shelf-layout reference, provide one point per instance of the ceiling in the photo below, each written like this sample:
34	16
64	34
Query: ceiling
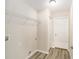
60	5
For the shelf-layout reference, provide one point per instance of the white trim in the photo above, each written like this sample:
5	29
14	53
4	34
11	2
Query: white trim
34	52
43	51
27	57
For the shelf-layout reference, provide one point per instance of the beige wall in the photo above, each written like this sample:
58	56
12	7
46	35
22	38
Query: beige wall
20	28
43	17
61	13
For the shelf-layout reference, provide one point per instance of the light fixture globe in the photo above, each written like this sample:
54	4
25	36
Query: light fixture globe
52	2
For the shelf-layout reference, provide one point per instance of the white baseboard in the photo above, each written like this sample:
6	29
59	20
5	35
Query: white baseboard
43	51
34	52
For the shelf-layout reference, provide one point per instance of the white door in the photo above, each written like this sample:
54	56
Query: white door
60	32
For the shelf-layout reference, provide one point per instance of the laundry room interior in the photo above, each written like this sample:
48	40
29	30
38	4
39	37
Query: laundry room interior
38	29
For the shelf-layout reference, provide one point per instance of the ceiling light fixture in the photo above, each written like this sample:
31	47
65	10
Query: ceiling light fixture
52	2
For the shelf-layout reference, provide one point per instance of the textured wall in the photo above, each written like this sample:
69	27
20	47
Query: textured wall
43	17
20	28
